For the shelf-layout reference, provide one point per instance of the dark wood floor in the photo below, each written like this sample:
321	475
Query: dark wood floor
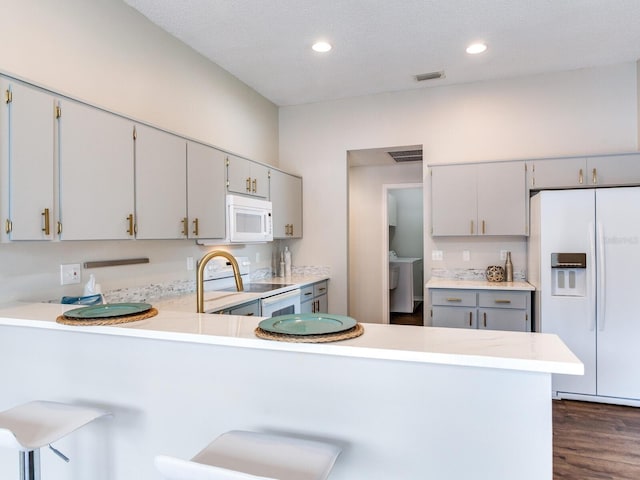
414	318
593	441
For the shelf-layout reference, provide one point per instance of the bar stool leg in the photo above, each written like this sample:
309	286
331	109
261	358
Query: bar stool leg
30	465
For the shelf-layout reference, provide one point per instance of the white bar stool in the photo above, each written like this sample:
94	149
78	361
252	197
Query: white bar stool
240	455
33	425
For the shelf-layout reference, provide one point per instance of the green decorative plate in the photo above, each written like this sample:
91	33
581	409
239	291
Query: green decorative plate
107	310
307	324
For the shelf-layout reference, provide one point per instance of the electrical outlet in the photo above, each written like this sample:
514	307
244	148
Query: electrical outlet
189	264
503	254
466	255
436	255
70	274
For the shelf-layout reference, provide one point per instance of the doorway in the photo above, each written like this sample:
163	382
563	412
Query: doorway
368	237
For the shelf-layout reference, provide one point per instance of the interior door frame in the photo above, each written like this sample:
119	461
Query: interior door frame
386	188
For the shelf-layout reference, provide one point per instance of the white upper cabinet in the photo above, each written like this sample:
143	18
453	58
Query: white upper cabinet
161	184
597	171
247	177
286	199
479	199
454	197
96	174
28	127
502	199
205	191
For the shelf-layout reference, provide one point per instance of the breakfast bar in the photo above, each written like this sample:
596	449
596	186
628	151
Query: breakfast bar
401	402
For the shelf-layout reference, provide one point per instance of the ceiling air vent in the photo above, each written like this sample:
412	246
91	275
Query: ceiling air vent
429	76
407	156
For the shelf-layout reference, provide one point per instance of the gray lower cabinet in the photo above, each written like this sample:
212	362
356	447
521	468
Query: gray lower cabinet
247	309
481	309
314	298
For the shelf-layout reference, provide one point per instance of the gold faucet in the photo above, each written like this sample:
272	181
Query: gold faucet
200	275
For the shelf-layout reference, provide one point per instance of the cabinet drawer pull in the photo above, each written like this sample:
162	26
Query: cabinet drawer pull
248	184
503	301
254	188
322	289
484	319
453	299
250	314
308	293
471	227
196	228
594	177
483	227
470	319
185	226
580	177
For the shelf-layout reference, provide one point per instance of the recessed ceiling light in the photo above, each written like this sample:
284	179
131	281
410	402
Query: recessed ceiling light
476	48
321	47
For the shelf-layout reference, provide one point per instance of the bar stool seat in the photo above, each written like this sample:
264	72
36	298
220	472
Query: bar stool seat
241	455
33	425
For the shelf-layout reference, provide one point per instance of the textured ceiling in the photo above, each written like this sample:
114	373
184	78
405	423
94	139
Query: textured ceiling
380	45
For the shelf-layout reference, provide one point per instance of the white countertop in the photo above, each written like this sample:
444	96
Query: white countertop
219	300
478	284
535	352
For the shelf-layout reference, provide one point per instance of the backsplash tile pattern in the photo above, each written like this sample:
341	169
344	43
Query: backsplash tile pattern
470	274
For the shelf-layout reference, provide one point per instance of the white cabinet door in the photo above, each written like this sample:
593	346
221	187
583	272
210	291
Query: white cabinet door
286	198
613	170
205	191
96	174
161	184
502	197
557	173
453	200
29	133
247	177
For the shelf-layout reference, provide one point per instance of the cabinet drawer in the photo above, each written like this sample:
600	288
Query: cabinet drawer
454	317
319	288
454	298
502	299
306	293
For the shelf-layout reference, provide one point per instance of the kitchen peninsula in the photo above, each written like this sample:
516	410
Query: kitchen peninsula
402	402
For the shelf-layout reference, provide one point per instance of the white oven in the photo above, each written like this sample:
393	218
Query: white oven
280	304
248	220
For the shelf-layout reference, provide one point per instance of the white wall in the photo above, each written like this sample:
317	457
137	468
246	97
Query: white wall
366	231
107	54
577	112
407	238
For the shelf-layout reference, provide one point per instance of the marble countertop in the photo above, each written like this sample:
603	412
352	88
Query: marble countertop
534	352
478	284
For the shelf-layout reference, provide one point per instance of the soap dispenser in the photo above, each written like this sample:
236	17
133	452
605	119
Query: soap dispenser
287	261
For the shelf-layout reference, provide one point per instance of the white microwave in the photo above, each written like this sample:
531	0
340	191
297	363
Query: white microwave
248	220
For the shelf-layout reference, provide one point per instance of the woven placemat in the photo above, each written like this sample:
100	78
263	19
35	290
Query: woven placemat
108	320
320	338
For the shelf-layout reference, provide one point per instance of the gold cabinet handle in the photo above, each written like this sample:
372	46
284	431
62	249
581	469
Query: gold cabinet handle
130	230
483	227
286	229
254	187
453	299
470	319
502	301
185	226
484	319
594	176
196	228
580	177
8	226
59	229
472	227
46	229
248	184
321	289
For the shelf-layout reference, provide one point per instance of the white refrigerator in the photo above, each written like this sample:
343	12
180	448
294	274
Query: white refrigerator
584	260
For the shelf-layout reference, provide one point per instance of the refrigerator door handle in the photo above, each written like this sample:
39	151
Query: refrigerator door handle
602	292
591	317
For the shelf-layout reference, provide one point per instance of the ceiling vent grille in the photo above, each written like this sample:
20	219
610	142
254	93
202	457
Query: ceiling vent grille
407	156
430	76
